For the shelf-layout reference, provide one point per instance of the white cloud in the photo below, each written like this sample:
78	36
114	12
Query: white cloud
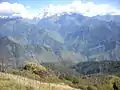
8	8
15	9
88	9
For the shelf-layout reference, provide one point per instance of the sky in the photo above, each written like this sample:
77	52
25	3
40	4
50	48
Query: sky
40	8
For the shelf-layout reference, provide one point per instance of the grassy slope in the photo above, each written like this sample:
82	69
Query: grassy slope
94	81
14	82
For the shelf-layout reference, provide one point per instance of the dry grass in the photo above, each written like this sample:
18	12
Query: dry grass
14	82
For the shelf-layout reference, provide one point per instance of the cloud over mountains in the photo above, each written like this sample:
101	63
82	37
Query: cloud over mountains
85	8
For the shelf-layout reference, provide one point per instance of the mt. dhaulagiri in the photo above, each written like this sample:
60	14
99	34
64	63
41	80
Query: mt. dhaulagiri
71	37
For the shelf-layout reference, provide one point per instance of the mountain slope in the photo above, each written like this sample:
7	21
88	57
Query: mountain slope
81	35
11	52
85	34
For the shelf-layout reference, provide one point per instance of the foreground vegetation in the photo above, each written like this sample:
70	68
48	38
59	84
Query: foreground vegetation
33	76
15	82
88	75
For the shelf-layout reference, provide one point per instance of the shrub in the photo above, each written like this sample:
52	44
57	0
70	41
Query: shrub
75	81
82	87
91	88
33	66
70	78
61	76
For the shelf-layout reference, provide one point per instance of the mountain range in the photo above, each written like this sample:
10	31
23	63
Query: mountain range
66	37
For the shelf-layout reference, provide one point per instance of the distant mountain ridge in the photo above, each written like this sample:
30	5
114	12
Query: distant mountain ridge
72	37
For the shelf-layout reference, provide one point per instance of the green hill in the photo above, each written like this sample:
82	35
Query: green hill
93	67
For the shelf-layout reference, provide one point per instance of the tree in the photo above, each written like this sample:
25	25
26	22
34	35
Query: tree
4	64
